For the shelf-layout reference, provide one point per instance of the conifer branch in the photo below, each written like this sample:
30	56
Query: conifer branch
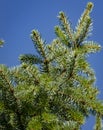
90	47
63	37
38	42
40	46
30	59
85	14
83	33
25	73
9	99
65	25
98	125
56	88
32	70
72	66
84	24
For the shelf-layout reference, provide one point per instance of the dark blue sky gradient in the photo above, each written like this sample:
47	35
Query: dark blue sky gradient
19	17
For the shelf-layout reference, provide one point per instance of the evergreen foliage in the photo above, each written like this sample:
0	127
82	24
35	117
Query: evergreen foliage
55	89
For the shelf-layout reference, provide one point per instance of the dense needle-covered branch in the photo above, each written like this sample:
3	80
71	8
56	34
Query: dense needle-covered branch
54	89
84	25
41	48
30	59
8	96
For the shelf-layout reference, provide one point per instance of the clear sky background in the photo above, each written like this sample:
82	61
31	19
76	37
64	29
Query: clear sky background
19	17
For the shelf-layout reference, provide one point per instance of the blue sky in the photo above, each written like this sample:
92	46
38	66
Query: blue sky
19	17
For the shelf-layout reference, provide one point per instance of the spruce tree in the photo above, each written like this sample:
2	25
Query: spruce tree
54	89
